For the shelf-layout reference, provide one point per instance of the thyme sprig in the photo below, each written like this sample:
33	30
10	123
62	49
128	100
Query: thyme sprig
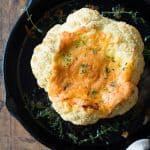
147	47
118	11
29	18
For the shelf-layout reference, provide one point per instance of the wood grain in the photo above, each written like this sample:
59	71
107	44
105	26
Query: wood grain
12	135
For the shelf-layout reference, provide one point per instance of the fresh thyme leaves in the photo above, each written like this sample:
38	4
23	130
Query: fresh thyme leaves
99	132
84	38
73	137
31	21
113	84
147	38
105	129
118	11
83	68
43	113
54	121
67	59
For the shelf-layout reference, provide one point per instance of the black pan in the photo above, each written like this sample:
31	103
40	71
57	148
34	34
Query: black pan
30	105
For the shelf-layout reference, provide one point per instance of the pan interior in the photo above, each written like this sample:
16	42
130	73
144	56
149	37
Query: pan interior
36	102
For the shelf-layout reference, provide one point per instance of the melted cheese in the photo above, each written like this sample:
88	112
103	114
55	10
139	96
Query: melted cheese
83	70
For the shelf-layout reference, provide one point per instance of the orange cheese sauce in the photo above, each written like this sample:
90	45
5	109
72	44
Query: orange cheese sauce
84	75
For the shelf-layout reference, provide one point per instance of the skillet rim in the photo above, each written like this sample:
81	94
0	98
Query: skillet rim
7	86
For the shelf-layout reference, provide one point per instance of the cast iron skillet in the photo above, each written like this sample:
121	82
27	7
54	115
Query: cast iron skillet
21	86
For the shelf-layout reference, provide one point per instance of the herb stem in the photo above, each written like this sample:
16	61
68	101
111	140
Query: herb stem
30	19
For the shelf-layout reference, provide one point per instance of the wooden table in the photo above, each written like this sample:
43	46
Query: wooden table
12	135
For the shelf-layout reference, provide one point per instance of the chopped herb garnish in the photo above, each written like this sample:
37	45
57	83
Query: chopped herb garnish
83	68
66	86
123	68
94	52
79	43
67	59
107	57
99	49
113	84
93	92
107	70
113	59
84	37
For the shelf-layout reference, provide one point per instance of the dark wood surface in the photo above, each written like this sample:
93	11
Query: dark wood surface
12	135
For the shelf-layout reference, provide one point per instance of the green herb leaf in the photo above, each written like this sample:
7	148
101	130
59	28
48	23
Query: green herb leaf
107	70
73	137
79	43
83	68
94	52
93	92
31	21
66	86
113	84
67	59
